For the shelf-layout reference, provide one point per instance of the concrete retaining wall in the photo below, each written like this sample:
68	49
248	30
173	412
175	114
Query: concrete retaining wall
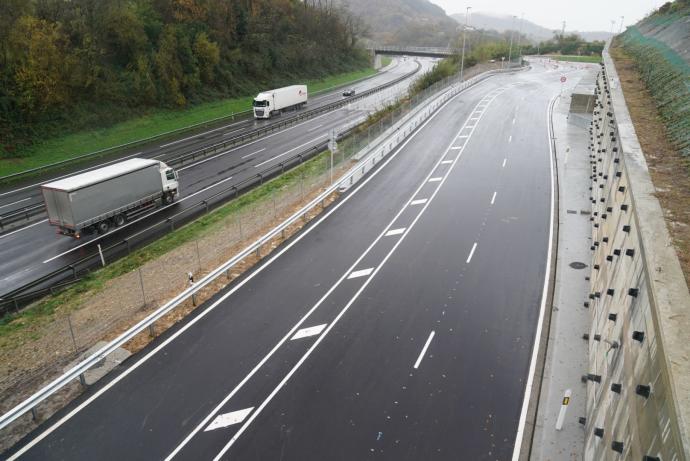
638	392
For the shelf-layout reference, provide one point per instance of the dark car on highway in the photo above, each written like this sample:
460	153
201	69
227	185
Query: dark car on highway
350	92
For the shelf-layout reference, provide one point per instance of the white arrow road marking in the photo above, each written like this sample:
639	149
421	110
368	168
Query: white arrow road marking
228	419
310	331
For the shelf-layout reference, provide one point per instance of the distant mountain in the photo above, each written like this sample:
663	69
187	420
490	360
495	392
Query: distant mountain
534	32
404	22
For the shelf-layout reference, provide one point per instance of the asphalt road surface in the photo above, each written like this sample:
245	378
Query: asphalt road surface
398	326
35	250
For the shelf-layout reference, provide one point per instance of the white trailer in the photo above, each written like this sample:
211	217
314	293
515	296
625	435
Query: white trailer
108	196
272	102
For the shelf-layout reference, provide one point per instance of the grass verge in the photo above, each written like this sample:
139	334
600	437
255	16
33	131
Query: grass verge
162	121
43	310
574	58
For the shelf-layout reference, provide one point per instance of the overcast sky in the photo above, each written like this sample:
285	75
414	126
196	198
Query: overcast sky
583	15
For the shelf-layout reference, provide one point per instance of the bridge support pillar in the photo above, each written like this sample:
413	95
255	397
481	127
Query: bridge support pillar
377	61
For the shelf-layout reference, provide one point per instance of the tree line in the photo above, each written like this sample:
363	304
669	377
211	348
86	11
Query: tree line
83	63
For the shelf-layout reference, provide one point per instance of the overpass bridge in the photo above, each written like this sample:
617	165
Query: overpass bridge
433	52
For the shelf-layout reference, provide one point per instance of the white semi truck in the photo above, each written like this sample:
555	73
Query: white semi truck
108	196
272	102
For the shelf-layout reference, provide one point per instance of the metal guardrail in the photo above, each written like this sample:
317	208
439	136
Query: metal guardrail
19	296
158	137
30	211
15	299
408	125
21	214
304	115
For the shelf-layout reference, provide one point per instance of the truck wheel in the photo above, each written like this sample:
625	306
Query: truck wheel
119	220
103	227
168	198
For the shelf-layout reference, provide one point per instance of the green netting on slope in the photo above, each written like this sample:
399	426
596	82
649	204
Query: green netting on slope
667	76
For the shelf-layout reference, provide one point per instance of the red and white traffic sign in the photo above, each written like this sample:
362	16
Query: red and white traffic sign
563	79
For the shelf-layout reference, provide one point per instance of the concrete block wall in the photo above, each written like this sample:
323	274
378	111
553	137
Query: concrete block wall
638	381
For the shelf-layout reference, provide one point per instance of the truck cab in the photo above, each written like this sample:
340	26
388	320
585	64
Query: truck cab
170	181
263	105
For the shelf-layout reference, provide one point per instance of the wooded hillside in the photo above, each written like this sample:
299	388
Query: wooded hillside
71	64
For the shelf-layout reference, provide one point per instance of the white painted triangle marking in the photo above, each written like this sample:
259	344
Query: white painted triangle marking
310	331
228	419
395	232
360	273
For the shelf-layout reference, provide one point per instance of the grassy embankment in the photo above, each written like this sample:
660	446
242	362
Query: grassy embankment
162	121
45	309
573	58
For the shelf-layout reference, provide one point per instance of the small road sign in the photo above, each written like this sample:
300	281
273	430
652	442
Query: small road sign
563	79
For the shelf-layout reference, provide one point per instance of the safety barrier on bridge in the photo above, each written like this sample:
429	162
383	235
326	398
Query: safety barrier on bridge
392	132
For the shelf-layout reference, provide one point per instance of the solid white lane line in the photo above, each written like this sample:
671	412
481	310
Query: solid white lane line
228	419
360	273
493	198
395	232
129	223
435	179
510	138
291	150
420	201
314	128
220	300
469	258
310	331
287	377
421	354
513	121
545	291
504	163
210	308
254	153
19	230
14	203
445	162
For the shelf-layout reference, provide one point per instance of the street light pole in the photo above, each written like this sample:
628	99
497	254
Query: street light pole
464	32
621	27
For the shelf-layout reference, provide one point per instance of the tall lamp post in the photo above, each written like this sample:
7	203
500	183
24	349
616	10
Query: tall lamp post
464	32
